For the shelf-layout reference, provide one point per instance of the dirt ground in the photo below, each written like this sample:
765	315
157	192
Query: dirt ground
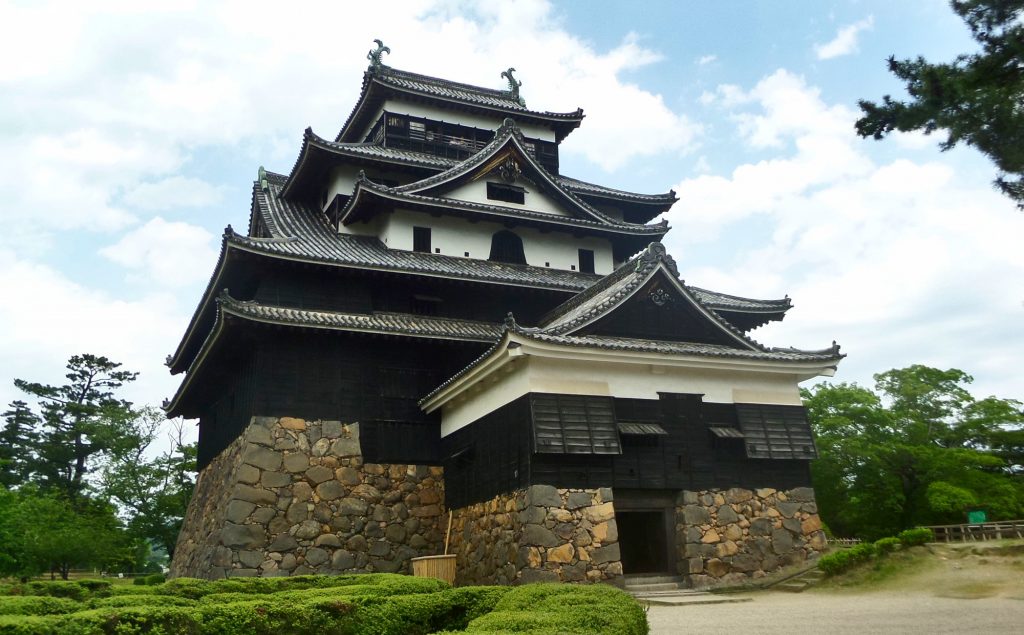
954	589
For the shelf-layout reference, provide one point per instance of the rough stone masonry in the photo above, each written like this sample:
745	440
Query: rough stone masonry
291	497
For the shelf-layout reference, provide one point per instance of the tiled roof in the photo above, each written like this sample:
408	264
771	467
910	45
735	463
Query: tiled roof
725	302
372	151
396	194
659	347
302	233
509	135
601	298
686	348
380	322
465	95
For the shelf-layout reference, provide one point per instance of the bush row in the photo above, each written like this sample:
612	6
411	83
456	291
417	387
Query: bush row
840	561
356	604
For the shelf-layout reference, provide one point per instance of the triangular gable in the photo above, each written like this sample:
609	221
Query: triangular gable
644	299
506	160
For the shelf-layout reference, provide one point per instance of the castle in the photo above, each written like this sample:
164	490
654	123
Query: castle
425	319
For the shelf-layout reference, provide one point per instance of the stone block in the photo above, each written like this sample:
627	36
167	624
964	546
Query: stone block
233	535
239	510
607	553
782	541
395	533
811	525
716	567
283	542
532	515
792	524
315	556
710	537
574	572
696	515
318	474
801	495
599	513
247	474
733	532
386	566
330	490
562	554
296	462
297	512
607	531
261	457
250	559
307	530
727	548
331	429
259	435
539	536
368	493
738	495
761	527
788	509
254	495
292	423
342	560
543	496
275	479
343	447
726	515
263	515
694	565
745	563
357	543
576	500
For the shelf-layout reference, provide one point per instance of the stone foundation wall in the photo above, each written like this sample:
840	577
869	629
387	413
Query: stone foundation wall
728	536
291	497
540	533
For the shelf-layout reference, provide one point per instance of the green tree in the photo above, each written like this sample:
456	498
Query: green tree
917	450
977	99
17	439
43	532
154	493
82	421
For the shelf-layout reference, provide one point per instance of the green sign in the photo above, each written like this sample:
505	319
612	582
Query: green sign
977	516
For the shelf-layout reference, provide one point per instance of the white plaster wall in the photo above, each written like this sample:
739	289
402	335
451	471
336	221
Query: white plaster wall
456	236
450	116
535	199
635	381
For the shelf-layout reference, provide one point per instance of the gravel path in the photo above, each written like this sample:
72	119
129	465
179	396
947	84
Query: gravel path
839	614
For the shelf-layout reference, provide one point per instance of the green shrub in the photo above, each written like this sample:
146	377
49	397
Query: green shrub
563	608
887	545
916	536
840	561
36	605
139	581
378	604
78	590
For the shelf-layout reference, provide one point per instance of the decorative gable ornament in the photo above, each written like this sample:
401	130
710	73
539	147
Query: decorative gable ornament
660	297
509	170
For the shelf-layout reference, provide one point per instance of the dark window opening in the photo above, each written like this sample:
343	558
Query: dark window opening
421	239
507	193
424	305
507	247
586	260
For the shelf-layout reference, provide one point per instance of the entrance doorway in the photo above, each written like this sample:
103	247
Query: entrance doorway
642	542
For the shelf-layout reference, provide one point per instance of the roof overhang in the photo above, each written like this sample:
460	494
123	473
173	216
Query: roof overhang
516	346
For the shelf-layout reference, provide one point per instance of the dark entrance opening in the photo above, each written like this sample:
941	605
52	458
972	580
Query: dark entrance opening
643	543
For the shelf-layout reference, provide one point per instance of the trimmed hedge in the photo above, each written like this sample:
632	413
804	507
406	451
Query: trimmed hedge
916	536
840	561
379	604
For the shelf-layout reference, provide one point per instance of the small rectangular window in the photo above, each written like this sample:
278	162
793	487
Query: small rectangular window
587	260
421	239
507	193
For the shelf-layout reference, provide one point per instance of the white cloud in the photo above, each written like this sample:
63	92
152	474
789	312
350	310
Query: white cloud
47	318
176	191
901	261
169	254
704	60
845	41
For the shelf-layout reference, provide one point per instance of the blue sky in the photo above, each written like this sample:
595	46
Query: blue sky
130	134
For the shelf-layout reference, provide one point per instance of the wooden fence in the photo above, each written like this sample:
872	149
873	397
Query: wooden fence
983	531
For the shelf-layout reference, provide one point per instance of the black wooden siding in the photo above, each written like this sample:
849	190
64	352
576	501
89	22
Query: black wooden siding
495	454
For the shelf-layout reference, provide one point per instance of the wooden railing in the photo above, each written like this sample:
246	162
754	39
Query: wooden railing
982	531
844	542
